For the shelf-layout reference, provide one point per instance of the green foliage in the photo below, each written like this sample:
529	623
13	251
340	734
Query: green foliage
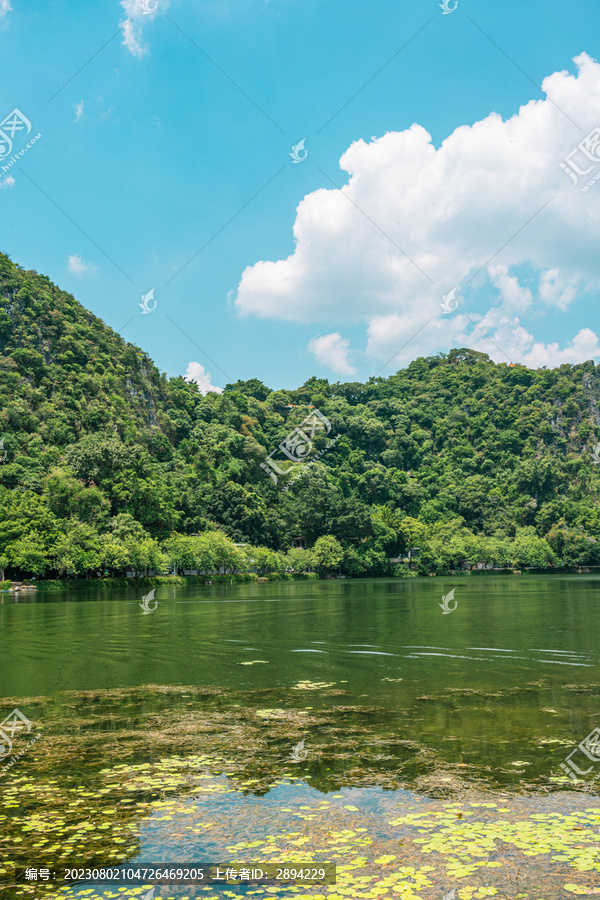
29	553
298	560
572	546
531	550
328	553
76	551
109	465
252	388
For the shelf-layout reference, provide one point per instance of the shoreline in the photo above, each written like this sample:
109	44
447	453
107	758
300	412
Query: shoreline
58	584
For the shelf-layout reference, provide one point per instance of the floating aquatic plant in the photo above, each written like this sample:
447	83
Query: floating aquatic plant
162	768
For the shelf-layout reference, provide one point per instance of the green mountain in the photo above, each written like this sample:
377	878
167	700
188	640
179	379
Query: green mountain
107	461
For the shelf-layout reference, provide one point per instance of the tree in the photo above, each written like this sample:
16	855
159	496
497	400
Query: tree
147	555
114	555
328	553
299	560
67	496
29	553
252	388
451	544
22	513
572	546
320	507
77	550
495	550
262	559
151	501
222	552
181	552
98	458
530	550
411	532
125	528
241	510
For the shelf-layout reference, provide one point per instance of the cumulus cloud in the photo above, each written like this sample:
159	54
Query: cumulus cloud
557	289
332	351
584	346
78	107
196	372
519	345
7	182
5	8
412	222
137	13
513	296
79	267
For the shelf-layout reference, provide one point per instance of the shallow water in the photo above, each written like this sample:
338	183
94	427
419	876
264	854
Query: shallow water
530	641
386	691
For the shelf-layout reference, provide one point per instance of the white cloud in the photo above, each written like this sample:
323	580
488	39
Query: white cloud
196	372
453	211
7	182
512	294
500	335
79	267
132	37
78	107
332	351
556	289
582	347
520	345
5	8
137	13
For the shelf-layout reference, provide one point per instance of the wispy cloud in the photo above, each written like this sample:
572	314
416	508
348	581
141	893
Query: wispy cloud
137	13
79	267
5	8
332	350
78	107
7	182
196	372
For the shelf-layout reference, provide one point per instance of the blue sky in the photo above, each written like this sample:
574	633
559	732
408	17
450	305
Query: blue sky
164	163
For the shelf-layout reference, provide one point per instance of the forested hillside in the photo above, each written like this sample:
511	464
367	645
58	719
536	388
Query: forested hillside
109	463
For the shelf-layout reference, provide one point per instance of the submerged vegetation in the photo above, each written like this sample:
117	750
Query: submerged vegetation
183	780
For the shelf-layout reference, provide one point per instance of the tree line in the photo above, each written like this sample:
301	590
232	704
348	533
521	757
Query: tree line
105	463
36	544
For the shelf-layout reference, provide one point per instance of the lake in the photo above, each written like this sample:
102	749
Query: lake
231	714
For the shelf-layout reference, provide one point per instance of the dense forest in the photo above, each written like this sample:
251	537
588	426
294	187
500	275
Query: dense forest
106	463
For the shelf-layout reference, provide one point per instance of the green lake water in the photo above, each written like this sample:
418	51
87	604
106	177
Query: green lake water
533	641
392	698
